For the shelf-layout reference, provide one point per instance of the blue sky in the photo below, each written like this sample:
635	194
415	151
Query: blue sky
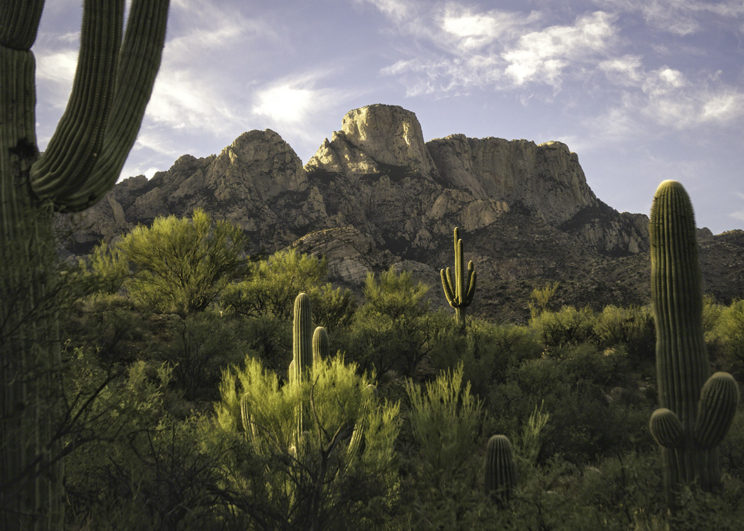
642	90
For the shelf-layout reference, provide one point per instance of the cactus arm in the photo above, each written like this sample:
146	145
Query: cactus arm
77	141
471	283
139	61
20	22
112	87
666	428
716	408
447	286
321	347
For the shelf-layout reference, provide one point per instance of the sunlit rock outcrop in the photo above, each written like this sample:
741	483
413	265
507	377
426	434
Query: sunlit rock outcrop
375	139
545	178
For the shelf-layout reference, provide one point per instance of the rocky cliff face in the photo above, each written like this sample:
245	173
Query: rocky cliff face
376	195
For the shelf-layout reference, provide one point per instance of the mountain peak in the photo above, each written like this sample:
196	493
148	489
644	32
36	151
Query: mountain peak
372	138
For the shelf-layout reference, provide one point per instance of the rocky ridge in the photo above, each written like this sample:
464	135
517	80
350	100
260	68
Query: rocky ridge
377	195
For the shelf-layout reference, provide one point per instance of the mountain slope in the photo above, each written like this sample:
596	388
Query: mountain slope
376	195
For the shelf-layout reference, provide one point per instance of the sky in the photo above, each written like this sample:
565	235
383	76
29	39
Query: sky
641	90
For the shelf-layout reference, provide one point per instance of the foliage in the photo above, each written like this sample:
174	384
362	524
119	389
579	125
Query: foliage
135	466
566	326
487	352
276	478
273	284
572	401
632	327
177	265
540	299
530	439
392	330
727	337
445	421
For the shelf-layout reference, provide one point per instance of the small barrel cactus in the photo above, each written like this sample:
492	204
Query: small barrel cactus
500	472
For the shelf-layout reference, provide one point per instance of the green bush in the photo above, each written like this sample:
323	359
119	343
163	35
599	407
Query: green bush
564	327
131	464
276	478
632	327
488	351
176	265
275	282
586	422
393	329
444	482
727	337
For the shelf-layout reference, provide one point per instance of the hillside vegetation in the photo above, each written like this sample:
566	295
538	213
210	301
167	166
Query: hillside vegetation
185	409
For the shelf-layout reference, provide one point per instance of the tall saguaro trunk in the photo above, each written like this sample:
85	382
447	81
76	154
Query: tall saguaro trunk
696	410
112	85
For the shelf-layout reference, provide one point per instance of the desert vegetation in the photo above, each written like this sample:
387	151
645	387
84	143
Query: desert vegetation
185	416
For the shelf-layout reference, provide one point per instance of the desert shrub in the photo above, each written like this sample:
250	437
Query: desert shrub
132	465
176	265
586	423
632	327
726	339
443	470
275	282
732	447
109	325
198	347
486	350
325	477
393	329
566	326
446	421
541	299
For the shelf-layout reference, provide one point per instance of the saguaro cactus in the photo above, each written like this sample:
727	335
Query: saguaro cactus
694	414
110	91
460	292
500	472
302	348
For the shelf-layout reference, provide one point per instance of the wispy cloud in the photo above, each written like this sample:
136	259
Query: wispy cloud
182	99
396	9
666	97
58	69
624	70
679	17
471	30
500	49
542	55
